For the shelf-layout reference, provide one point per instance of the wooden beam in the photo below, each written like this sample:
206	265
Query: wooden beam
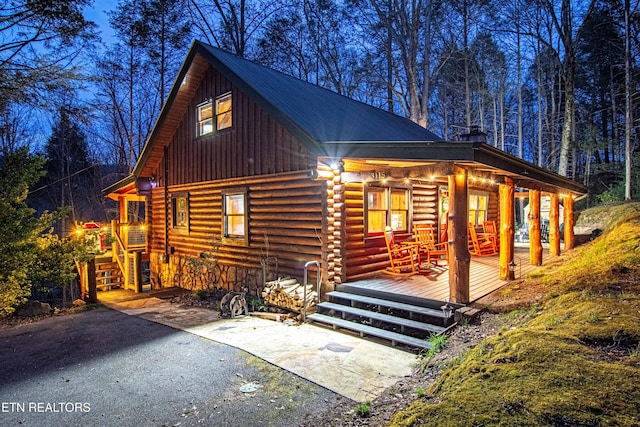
458	218
123	210
535	240
568	222
554	225
507	228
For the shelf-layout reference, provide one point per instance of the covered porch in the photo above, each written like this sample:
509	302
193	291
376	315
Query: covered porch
434	284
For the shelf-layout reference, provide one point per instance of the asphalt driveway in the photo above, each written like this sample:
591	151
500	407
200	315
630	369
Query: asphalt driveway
106	368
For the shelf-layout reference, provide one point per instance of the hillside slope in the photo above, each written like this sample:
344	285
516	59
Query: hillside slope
572	360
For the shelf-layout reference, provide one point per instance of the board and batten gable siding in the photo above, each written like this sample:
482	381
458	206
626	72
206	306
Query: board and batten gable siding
255	145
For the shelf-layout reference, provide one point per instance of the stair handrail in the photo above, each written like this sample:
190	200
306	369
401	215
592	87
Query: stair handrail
304	294
118	247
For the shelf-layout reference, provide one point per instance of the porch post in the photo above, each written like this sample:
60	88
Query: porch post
535	242
507	227
568	222
123	209
554	225
459	256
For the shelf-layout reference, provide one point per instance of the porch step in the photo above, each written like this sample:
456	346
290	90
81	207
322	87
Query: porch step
363	330
431	312
373	315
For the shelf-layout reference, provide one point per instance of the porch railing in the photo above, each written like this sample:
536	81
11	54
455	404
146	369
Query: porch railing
129	241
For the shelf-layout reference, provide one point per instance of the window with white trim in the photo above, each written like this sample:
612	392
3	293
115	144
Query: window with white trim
234	216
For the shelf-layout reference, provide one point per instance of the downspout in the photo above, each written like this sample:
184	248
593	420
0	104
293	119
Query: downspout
166	205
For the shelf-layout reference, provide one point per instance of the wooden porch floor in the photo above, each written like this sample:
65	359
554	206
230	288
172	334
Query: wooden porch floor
434	284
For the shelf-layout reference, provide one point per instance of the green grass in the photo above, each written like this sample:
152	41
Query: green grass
574	359
363	410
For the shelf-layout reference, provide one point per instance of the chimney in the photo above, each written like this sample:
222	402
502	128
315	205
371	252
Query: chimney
474	135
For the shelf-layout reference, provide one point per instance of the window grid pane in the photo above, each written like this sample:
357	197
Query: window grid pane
223	112
205	119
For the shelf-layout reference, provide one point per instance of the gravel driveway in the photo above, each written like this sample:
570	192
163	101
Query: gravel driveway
106	368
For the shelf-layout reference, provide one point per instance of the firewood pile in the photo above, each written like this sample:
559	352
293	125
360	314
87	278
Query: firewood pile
288	293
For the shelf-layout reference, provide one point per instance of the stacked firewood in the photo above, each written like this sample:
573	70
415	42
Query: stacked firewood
288	293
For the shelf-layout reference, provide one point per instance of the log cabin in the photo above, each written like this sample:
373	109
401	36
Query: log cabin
246	164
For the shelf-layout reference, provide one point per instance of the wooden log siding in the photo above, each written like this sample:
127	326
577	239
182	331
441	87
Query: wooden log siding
425	204
364	258
255	145
285	220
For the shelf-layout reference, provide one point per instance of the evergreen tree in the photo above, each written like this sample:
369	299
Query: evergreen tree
20	229
69	179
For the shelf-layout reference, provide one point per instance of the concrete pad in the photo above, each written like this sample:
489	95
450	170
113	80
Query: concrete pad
353	367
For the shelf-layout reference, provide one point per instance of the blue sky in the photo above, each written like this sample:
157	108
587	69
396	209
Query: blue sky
98	14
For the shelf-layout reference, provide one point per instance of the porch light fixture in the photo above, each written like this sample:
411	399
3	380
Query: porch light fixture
512	268
337	166
152	181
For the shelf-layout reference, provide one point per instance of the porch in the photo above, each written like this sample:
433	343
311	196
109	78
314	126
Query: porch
434	284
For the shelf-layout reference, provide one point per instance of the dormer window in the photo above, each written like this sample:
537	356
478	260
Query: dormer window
205	118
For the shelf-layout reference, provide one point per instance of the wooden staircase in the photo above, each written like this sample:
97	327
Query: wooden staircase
395	318
108	274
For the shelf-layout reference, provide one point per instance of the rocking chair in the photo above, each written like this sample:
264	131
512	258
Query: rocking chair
402	257
491	231
426	237
480	244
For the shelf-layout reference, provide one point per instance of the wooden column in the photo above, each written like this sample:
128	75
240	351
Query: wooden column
554	225
507	228
459	256
123	209
535	241
568	222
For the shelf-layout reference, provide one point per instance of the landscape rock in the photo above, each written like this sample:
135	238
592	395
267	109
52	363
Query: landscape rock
33	308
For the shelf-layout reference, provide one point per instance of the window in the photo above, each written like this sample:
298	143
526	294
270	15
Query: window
180	209
478	203
205	118
234	222
386	206
224	118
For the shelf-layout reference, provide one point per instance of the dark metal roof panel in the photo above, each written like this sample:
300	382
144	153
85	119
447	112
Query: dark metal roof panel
323	115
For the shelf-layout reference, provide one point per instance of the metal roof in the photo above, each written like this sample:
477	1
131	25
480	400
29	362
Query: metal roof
321	114
329	124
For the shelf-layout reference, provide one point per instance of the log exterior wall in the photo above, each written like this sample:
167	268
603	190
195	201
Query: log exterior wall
363	257
285	202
